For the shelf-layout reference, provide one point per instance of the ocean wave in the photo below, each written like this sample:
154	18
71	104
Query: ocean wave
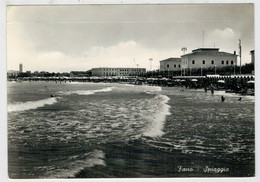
23	106
77	82
158	119
152	89
155	88
88	92
79	163
129	85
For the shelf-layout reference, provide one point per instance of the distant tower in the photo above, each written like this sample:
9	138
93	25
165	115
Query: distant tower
150	59
20	67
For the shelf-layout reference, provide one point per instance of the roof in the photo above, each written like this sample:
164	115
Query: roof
205	49
171	59
209	51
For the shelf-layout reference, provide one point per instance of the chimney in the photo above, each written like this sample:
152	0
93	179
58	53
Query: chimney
235	53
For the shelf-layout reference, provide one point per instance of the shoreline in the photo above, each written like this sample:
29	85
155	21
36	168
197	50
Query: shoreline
244	85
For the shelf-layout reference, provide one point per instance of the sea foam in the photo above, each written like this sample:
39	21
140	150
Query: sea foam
88	92
23	106
94	158
158	119
151	89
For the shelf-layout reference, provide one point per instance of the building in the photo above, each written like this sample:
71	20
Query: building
252	56
118	71
20	67
206	58
170	64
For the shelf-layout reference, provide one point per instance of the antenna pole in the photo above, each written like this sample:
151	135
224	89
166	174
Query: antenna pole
203	38
240	52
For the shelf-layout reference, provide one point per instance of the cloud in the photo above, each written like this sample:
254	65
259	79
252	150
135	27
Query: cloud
64	38
18	50
226	33
226	39
128	54
124	54
51	55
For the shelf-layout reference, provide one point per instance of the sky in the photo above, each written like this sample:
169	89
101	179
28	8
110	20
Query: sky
78	38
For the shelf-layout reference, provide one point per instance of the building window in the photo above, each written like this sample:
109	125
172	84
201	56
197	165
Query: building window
203	62
168	66
227	62
222	62
212	61
193	61
175	66
232	62
179	65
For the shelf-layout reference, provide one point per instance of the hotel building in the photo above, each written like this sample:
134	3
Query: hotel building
208	57
199	58
118	71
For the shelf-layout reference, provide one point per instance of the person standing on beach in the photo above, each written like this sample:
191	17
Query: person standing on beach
212	90
222	98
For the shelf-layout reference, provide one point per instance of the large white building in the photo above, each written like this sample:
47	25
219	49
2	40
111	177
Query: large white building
118	71
199	58
208	57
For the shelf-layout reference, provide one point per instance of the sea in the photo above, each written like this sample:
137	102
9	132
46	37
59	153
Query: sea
115	130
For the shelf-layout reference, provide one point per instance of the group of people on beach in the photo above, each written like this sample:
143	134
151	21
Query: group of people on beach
222	97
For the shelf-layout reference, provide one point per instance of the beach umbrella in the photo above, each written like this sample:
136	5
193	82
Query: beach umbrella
221	81
251	81
194	80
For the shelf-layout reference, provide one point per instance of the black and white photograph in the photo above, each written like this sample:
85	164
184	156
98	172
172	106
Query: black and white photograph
130	91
